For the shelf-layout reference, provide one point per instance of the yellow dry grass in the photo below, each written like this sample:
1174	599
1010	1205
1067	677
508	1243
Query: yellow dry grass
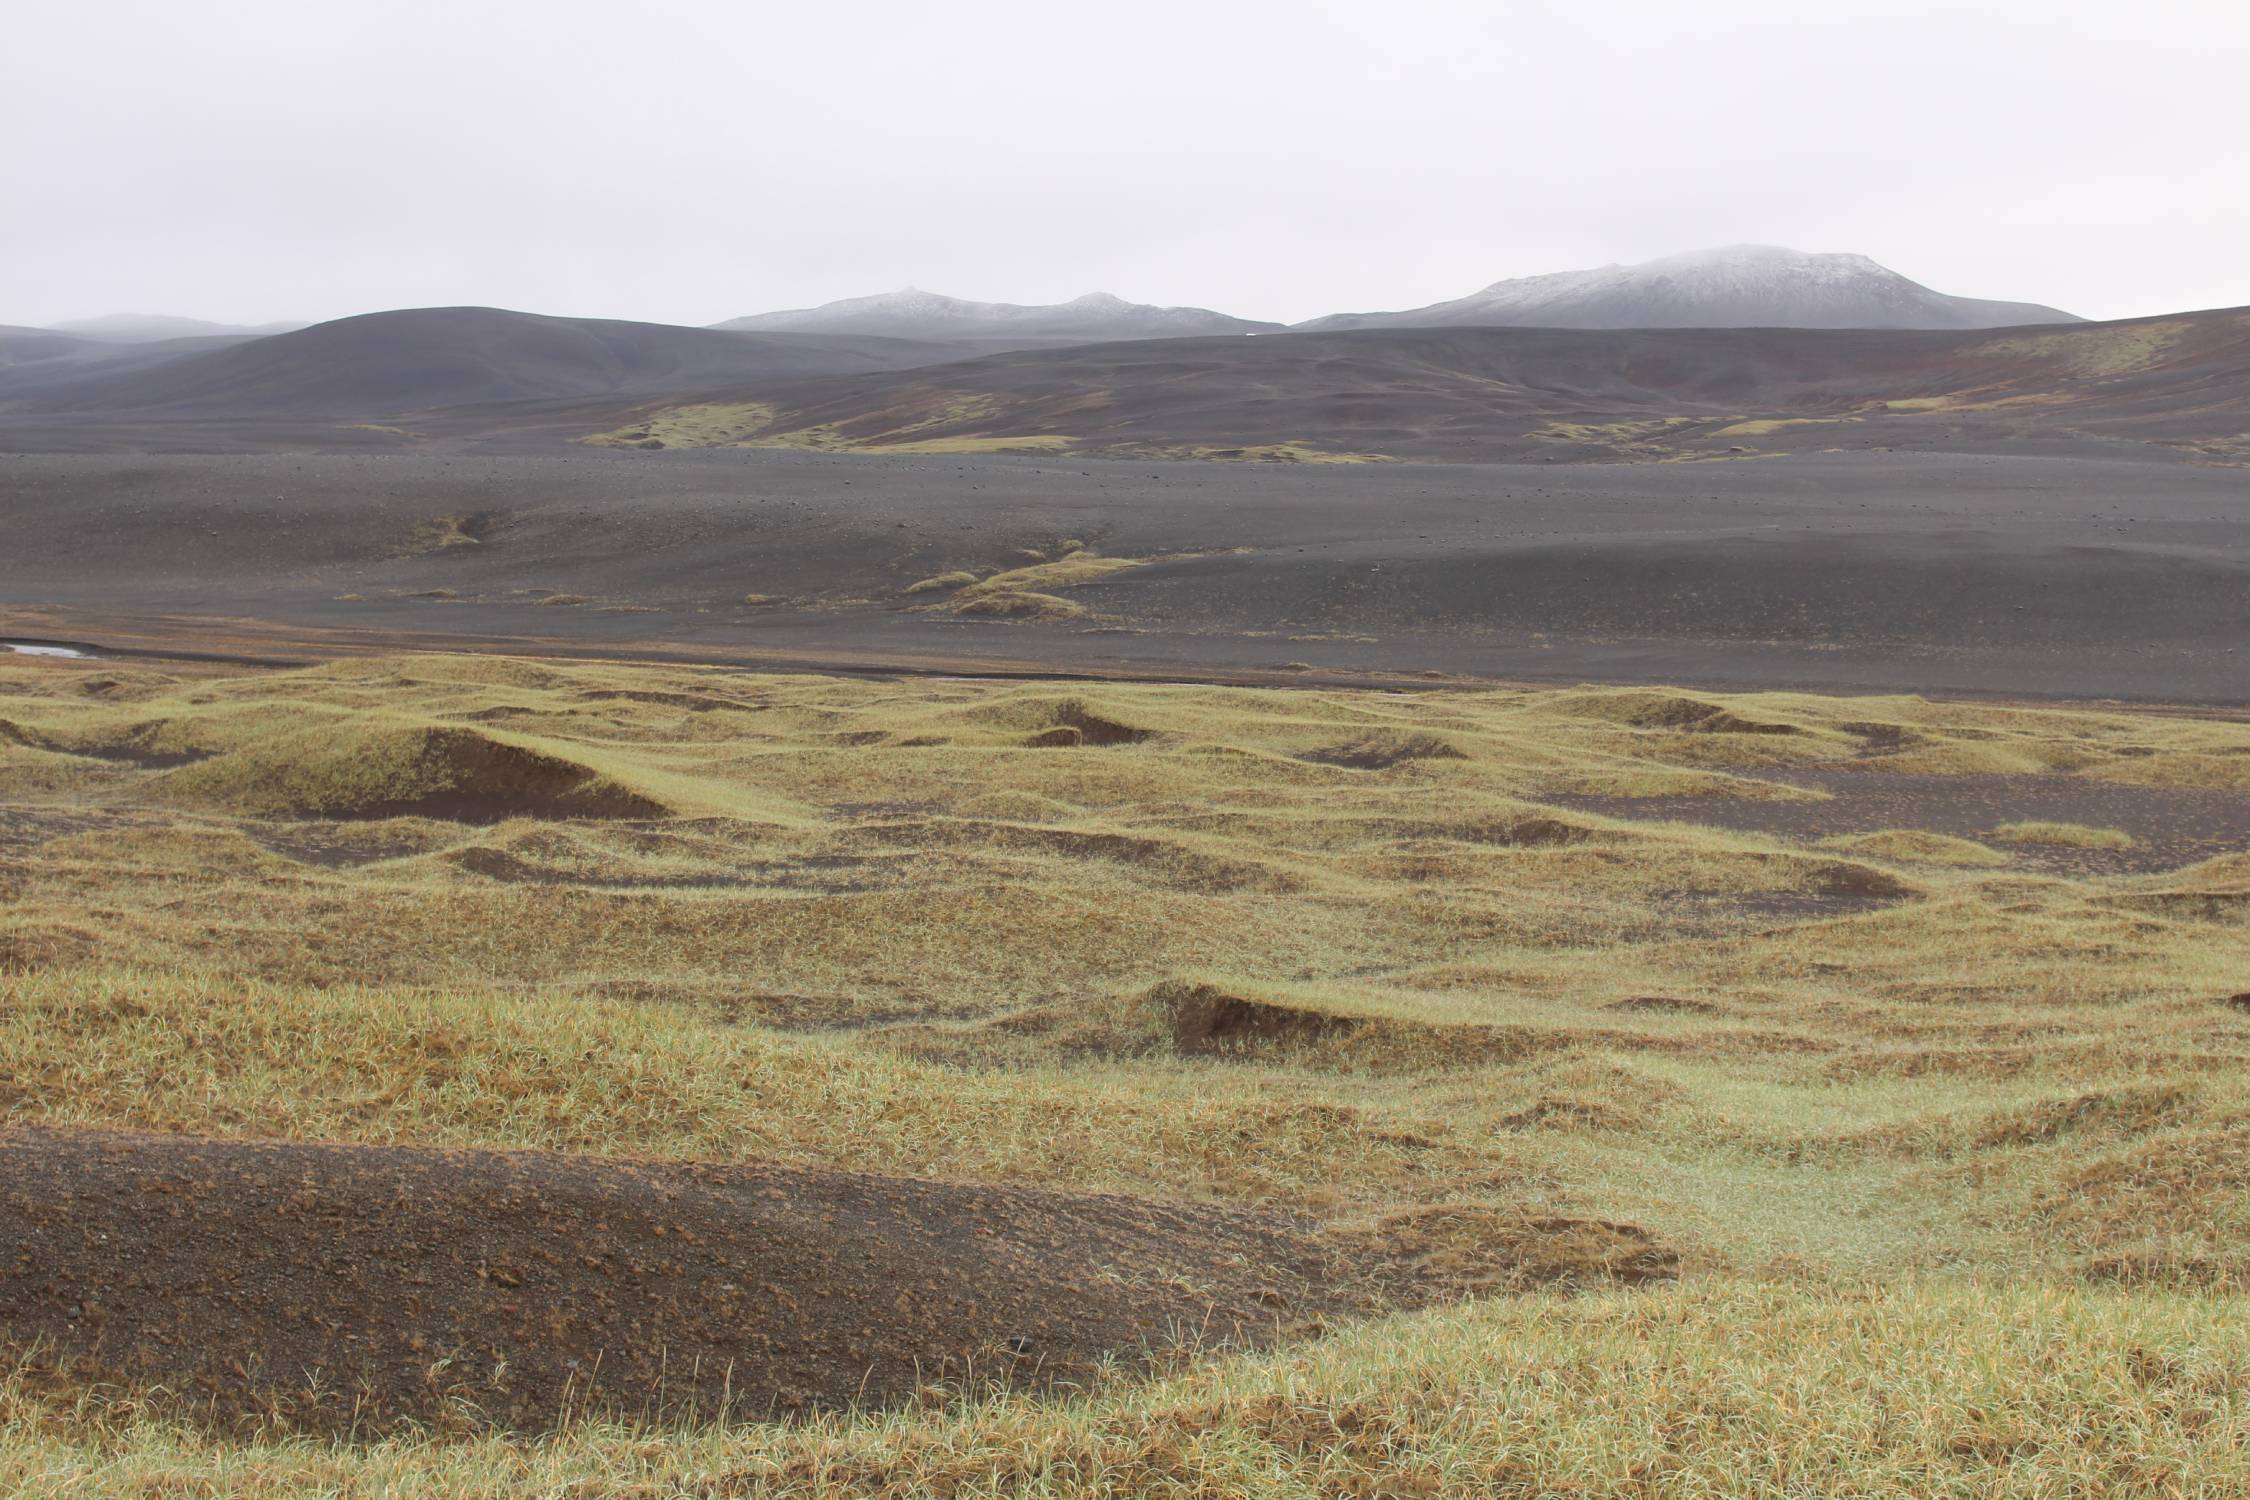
1950	1142
2063	835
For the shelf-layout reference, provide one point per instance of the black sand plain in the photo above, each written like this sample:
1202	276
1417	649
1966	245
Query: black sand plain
2075	574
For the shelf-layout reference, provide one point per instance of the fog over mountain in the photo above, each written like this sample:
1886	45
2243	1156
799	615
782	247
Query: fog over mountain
149	328
1731	286
1097	317
423	358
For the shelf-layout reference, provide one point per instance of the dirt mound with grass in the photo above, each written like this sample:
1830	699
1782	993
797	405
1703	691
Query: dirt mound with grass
1076	724
333	1285
1670	711
1381	751
1017	604
1207	1020
452	773
22	737
1193	1018
1041	716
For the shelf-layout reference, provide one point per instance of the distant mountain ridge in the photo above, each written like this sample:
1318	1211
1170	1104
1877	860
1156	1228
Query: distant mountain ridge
421	359
1733	286
1097	317
149	328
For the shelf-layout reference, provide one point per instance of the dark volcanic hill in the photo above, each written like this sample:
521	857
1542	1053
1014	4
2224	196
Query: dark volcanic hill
34	359
1094	318
1496	394
1735	286
397	363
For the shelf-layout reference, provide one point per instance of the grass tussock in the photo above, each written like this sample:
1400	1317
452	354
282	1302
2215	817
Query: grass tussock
2063	835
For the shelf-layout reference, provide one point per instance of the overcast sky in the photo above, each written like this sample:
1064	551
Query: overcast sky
691	160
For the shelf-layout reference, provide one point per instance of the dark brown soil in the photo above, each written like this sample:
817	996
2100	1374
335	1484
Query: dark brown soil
336	1286
399	1282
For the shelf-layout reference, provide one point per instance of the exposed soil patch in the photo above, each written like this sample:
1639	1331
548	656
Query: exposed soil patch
1093	728
1208	1021
332	1283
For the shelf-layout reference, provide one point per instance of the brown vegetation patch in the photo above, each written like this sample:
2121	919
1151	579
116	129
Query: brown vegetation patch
1663	1005
1017	604
43	945
1464	1250
1205	1020
2187	1186
2123	1112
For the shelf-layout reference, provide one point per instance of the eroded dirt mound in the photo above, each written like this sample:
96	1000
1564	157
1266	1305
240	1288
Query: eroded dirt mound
22	737
456	774
328	1285
1380	752
405	1281
1208	1021
1675	712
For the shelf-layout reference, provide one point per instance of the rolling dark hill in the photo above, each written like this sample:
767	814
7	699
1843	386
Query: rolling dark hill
399	363
1497	394
1734	286
35	359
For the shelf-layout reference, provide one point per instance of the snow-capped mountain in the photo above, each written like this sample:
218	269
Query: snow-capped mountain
1096	317
1735	286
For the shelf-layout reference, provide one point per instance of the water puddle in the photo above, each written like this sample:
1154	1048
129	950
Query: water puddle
43	648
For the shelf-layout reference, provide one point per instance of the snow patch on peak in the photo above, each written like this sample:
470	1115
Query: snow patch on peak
1725	286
